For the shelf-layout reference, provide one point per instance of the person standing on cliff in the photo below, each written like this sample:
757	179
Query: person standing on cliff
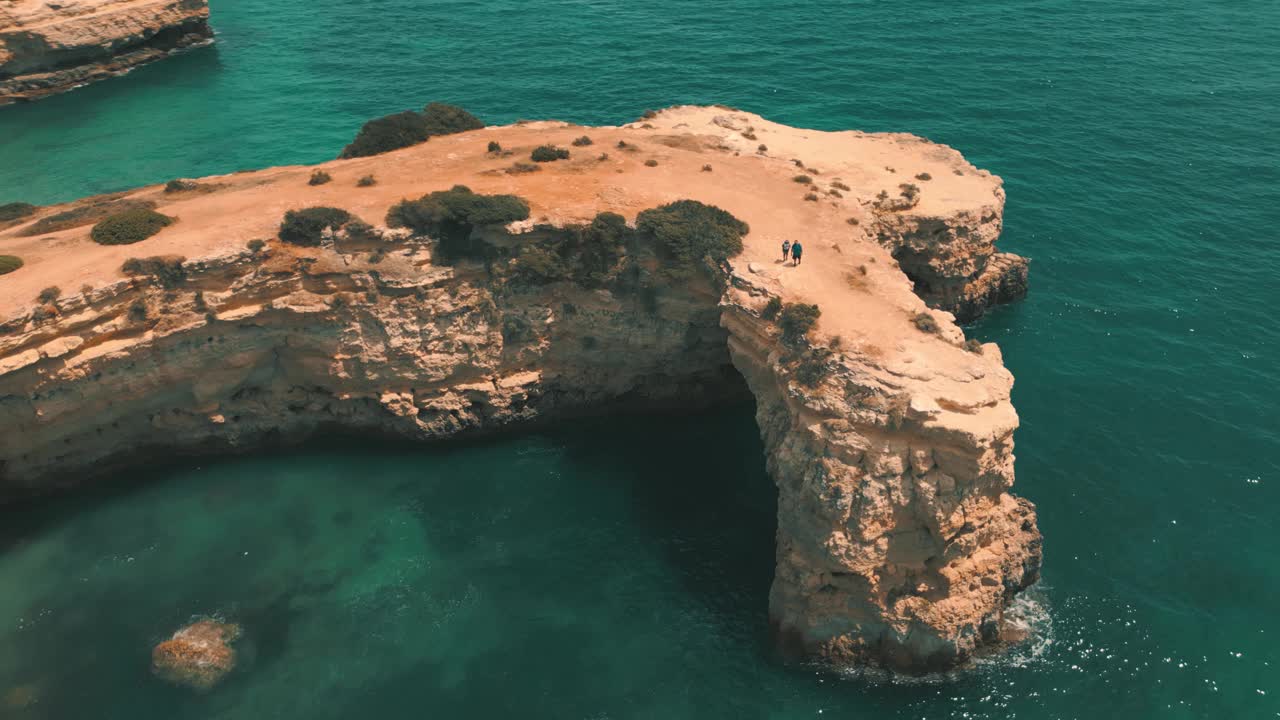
796	251
786	248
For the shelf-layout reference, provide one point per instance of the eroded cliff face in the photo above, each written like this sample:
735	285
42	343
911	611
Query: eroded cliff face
899	542
47	48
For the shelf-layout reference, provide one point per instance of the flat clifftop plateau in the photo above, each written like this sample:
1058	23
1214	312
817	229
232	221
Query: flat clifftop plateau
46	47
548	288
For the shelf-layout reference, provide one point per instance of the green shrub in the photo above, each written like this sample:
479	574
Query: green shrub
495	146
772	308
706	168
84	214
138	311
688	231
384	134
400	130
442	119
600	246
973	346
582	141
523	167
15	210
539	265
9	263
319	177
307	226
803	179
649	114
762	149
49	294
796	320
166	269
589	255
811	197
840	186
651	163
178	185
812	368
925	322
852	221
129	227
367	181
256	245
361	231
548	153
924	176
450	215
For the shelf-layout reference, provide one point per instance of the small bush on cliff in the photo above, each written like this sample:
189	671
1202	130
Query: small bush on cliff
495	146
688	231
307	226
582	141
9	263
973	346
367	181
521	168
15	210
450	216
256	245
178	185
803	179
812	368
589	255
548	153
796	320
925	322
319	177
772	308
402	129
384	134
129	227
166	269
651	163
49	294
444	119
85	214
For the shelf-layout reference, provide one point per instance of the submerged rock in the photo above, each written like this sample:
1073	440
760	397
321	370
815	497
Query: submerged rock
198	656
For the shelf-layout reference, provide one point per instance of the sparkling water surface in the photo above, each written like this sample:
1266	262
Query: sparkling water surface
620	569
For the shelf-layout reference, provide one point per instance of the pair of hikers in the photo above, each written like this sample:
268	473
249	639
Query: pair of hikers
795	249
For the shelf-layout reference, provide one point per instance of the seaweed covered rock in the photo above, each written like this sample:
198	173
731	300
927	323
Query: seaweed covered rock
198	656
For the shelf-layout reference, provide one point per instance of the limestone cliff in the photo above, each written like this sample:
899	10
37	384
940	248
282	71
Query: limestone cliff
47	47
890	441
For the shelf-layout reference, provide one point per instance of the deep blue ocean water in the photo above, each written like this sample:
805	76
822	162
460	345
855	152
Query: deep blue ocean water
581	574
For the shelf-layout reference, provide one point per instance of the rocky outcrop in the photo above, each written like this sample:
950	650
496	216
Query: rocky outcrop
198	656
952	259
899	542
46	48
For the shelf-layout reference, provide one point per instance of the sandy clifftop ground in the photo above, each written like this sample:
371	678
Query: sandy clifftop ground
890	439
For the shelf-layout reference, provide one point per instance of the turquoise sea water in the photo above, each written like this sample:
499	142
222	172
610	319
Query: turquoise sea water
619	570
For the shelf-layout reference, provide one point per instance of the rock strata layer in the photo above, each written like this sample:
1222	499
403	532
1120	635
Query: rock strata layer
889	438
47	48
